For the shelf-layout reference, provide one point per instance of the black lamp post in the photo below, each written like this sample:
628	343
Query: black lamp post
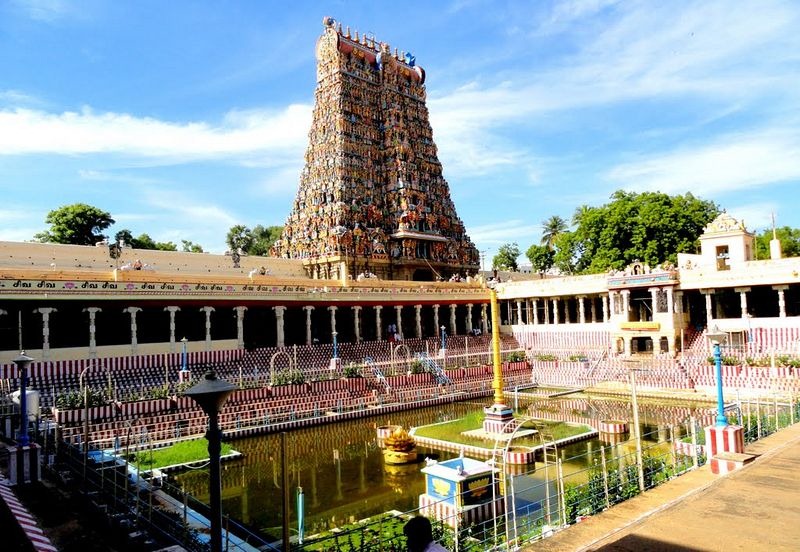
211	393
22	362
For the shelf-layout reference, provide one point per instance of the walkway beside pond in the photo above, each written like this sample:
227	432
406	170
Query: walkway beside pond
754	508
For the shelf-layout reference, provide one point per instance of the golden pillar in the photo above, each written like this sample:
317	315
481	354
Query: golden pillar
497	382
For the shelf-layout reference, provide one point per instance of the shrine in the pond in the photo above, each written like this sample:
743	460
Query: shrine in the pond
372	200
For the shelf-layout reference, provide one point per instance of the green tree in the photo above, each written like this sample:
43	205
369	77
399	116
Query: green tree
144	241
76	224
239	238
541	258
191	247
551	228
651	227
568	251
506	258
263	238
790	242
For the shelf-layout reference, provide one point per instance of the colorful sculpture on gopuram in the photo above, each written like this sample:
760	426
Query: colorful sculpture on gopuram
372	201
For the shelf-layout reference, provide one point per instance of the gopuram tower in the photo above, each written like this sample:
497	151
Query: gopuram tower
372	199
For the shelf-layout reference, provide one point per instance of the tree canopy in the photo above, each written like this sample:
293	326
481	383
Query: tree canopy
790	242
541	258
252	242
650	227
506	258
144	241
76	224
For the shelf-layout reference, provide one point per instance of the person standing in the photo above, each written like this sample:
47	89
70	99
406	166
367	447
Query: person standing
419	536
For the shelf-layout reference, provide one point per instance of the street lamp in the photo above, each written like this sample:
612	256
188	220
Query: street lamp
211	393
22	362
716	337
184	341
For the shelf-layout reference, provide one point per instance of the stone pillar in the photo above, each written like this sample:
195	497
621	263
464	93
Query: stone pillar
593	310
555	310
134	343
678	302
172	310
280	337
92	328
519	312
743	300
709	311
670	301
45	312
535	311
781	299
378	325
208	311
605	308
398	313
627	343
653	302
332	310
436	319
308	310
546	304
582	309
453	327
613	297
418	320
357	322
626	303
484	320
566	311
469	318
240	326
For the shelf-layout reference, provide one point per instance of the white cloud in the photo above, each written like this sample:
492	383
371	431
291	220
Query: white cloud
731	163
756	216
273	136
43	10
504	232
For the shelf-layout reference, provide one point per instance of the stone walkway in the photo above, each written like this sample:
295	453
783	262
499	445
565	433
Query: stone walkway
754	508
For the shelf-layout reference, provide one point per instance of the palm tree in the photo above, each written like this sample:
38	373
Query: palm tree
552	227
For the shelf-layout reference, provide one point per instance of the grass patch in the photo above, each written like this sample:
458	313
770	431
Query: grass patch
183	452
452	431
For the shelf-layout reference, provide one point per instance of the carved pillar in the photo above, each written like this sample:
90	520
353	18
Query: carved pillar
670	302
92	328
172	310
535	311
357	322
613	305
743	300
469	318
678	302
398	315
418	319
280	337
546	304
593	310
627	342
308	310
781	299
378	325
605	307
519	312
453	327
436	319
240	326
45	312
134	342
484	320
332	310
626	303
555	311
208	310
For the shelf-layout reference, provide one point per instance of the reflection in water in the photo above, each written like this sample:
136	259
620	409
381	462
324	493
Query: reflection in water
342	472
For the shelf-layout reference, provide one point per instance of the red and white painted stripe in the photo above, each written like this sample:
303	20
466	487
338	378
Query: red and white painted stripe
724	439
26	521
449	514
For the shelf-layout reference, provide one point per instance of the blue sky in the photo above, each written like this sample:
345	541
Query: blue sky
185	118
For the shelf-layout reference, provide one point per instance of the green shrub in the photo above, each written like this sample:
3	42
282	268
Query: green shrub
545	357
352	370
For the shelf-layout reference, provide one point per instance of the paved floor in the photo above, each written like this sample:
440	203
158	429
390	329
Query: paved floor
755	508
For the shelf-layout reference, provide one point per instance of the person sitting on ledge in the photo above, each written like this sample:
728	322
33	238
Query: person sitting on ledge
137	265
